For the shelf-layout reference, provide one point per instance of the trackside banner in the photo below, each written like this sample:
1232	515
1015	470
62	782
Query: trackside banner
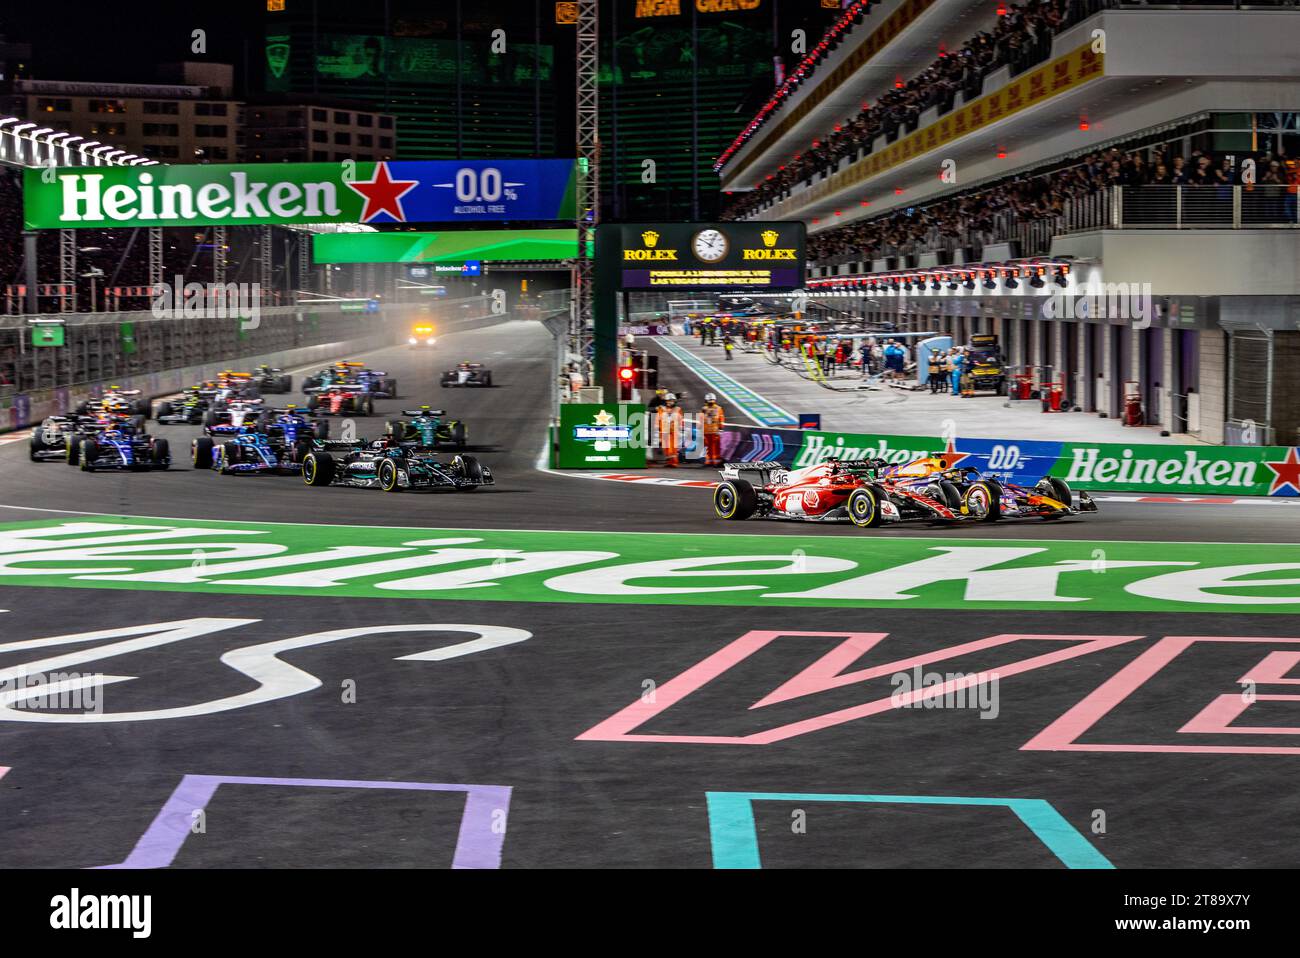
1116	467
410	191
750	572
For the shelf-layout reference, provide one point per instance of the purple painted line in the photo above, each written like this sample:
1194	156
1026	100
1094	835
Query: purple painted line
478	844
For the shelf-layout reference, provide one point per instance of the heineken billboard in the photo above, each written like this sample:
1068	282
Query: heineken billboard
461	246
251	194
601	435
1111	467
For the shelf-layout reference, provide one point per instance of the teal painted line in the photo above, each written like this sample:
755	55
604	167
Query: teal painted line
753	405
734	833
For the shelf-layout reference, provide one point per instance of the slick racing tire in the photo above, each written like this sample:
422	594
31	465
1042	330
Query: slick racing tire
89	453
201	452
469	468
318	469
37	444
229	456
209	419
312	403
458	435
487	380
300	451
322	428
735	499
286	384
1058	489
863	507
73	451
388	476
945	492
164	409
162	454
395	428
983	501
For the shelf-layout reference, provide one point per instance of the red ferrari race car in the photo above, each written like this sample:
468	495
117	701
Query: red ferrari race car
341	401
831	491
871	492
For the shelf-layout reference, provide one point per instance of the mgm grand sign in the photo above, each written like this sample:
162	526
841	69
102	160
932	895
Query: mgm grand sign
712	255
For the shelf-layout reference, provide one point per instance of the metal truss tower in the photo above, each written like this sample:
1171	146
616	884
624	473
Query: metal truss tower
68	270
155	256
588	62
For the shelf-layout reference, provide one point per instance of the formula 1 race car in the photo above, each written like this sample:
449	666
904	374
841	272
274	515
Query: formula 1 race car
269	379
50	439
392	467
986	497
119	449
467	374
116	401
60	437
427	429
341	401
255	452
242	415
188	410
830	491
279	442
354	375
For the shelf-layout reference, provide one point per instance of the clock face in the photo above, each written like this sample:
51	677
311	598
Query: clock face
710	246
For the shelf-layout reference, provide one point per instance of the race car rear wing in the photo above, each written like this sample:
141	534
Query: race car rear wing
423	412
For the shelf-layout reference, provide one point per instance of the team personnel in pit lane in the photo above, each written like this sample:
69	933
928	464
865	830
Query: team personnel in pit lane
670	422
711	422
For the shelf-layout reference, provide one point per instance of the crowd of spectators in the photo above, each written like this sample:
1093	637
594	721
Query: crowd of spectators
1031	197
1020	38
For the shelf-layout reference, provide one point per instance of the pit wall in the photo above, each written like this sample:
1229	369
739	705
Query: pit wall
1110	467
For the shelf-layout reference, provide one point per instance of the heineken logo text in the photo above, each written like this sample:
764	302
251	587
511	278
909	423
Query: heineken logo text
85	199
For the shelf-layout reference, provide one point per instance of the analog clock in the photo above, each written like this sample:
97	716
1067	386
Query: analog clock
710	246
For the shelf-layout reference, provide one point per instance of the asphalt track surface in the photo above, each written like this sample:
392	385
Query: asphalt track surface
901	787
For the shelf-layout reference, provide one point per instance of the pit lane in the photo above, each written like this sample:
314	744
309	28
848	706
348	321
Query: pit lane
537	723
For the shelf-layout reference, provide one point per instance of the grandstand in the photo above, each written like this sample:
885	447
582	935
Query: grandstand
958	162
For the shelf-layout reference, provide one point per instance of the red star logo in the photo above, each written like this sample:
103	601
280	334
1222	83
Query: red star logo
383	194
1286	473
952	455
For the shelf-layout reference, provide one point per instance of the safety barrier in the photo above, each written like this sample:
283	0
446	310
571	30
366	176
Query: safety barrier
161	356
1112	467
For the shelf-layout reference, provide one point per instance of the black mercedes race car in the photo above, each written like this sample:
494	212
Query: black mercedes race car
426	428
188	410
467	374
393	467
269	379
